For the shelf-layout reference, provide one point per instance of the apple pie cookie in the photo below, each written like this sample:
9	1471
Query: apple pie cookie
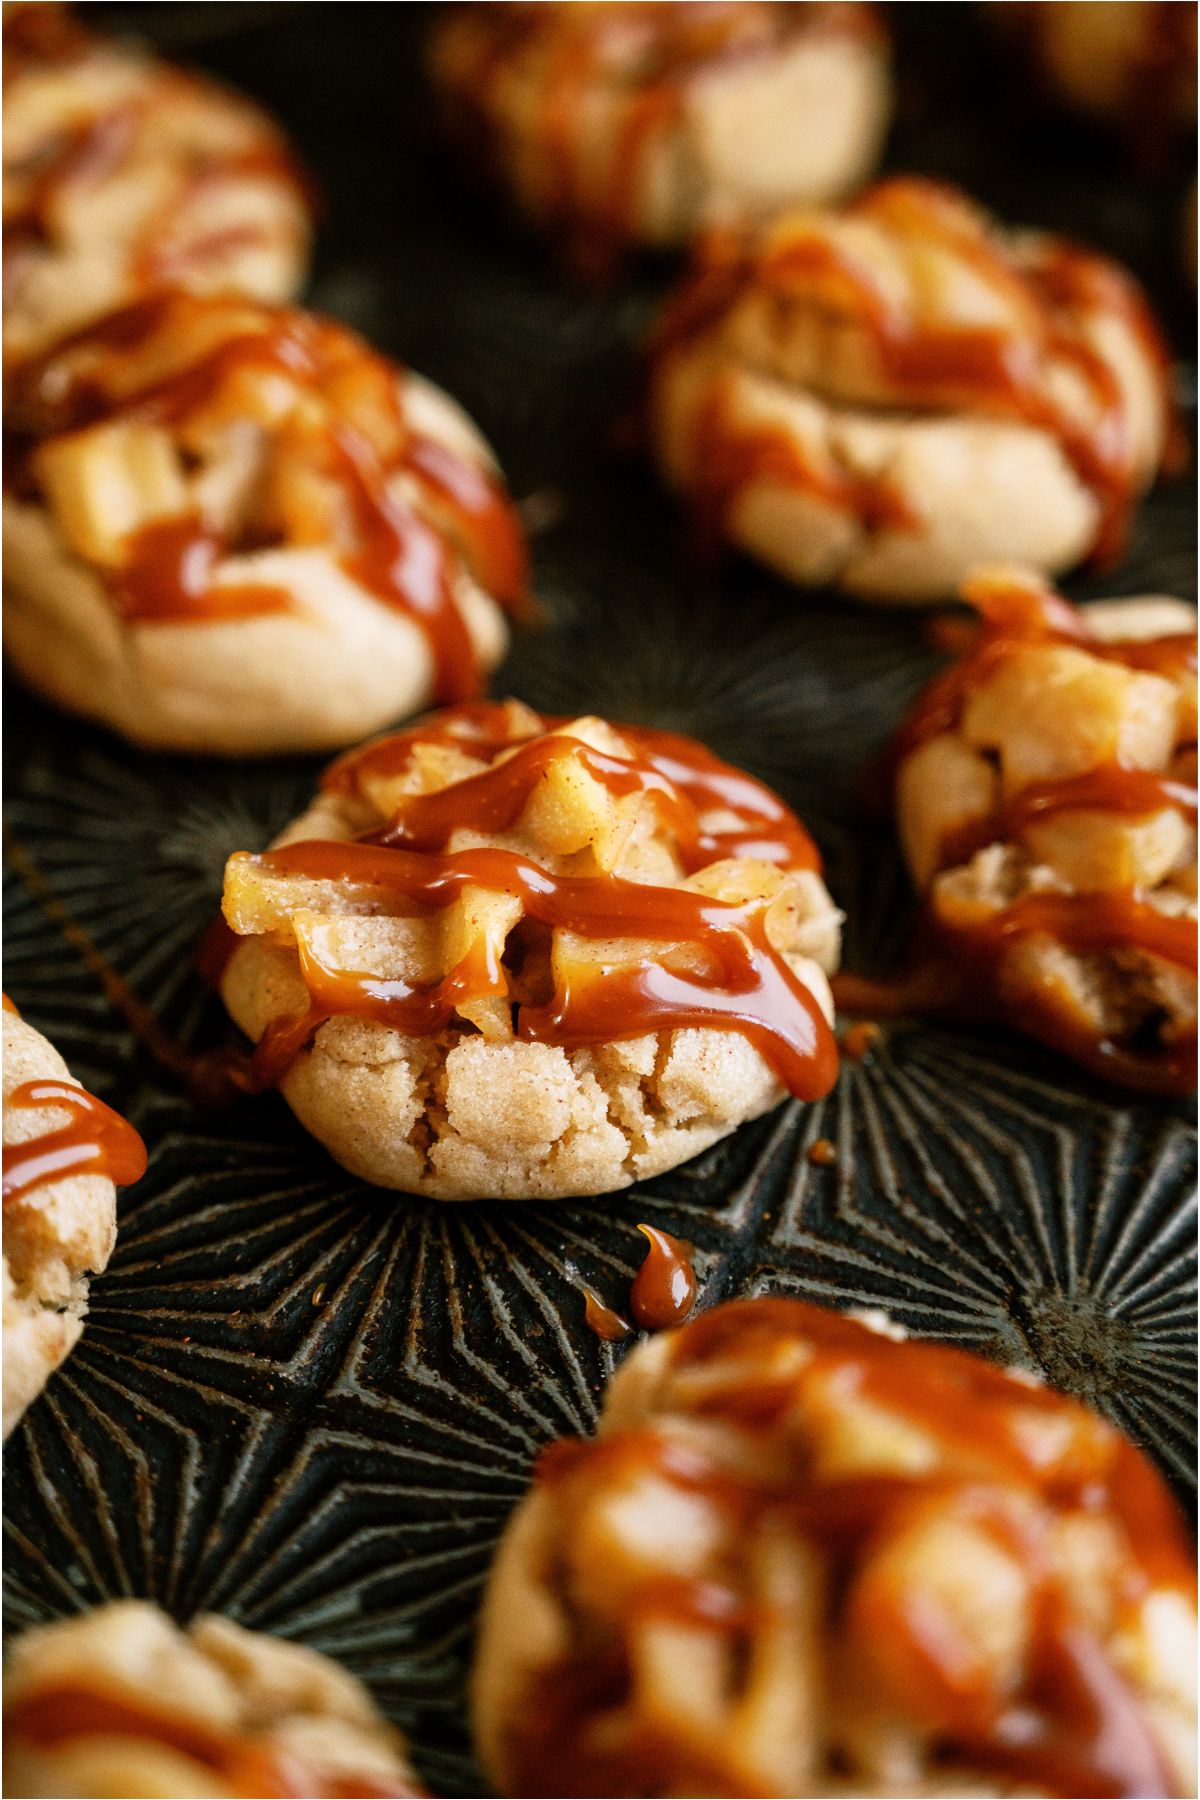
509	957
802	1557
122	1701
63	1152
620	124
1046	799
123	174
234	528
884	397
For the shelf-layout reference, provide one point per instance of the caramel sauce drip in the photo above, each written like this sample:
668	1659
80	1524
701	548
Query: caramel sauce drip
1133	793
167	579
731	456
664	1288
404	559
1074	1726
604	1320
742	983
822	1153
50	1717
97	1141
9	1006
1013	616
1002	372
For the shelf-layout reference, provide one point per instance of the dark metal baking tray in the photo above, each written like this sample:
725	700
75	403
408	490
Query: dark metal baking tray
310	1404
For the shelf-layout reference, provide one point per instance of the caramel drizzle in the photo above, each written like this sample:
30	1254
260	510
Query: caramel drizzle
1074	1728
52	1716
399	556
604	1320
97	1141
1014	615
1002	372
747	988
743	984
680	778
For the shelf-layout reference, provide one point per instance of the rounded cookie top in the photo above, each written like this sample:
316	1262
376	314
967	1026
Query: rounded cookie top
509	956
802	1557
1046	800
123	174
234	527
63	1152
885	395
123	1701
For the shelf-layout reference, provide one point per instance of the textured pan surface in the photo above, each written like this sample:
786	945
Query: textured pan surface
310	1405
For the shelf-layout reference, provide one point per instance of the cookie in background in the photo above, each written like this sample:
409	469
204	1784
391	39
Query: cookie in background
883	397
123	174
1045	792
65	1153
123	1701
235	529
611	126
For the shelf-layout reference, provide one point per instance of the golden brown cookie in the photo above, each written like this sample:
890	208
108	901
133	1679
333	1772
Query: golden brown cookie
234	528
1046	800
123	174
509	957
644	123
121	1701
802	1557
881	398
63	1152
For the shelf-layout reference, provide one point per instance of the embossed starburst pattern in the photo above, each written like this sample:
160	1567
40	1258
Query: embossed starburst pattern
312	1405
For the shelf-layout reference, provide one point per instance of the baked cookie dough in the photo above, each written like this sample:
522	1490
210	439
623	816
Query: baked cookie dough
234	528
63	1152
627	124
123	174
804	1558
1046	801
881	398
121	1701
516	958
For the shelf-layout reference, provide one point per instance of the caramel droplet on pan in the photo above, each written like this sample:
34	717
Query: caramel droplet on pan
822	1153
860	1038
603	1320
664	1288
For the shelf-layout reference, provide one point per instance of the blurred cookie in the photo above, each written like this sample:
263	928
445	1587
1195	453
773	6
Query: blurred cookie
63	1152
123	174
881	398
803	1558
121	1701
508	957
234	528
1046	800
1123	62
627	124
